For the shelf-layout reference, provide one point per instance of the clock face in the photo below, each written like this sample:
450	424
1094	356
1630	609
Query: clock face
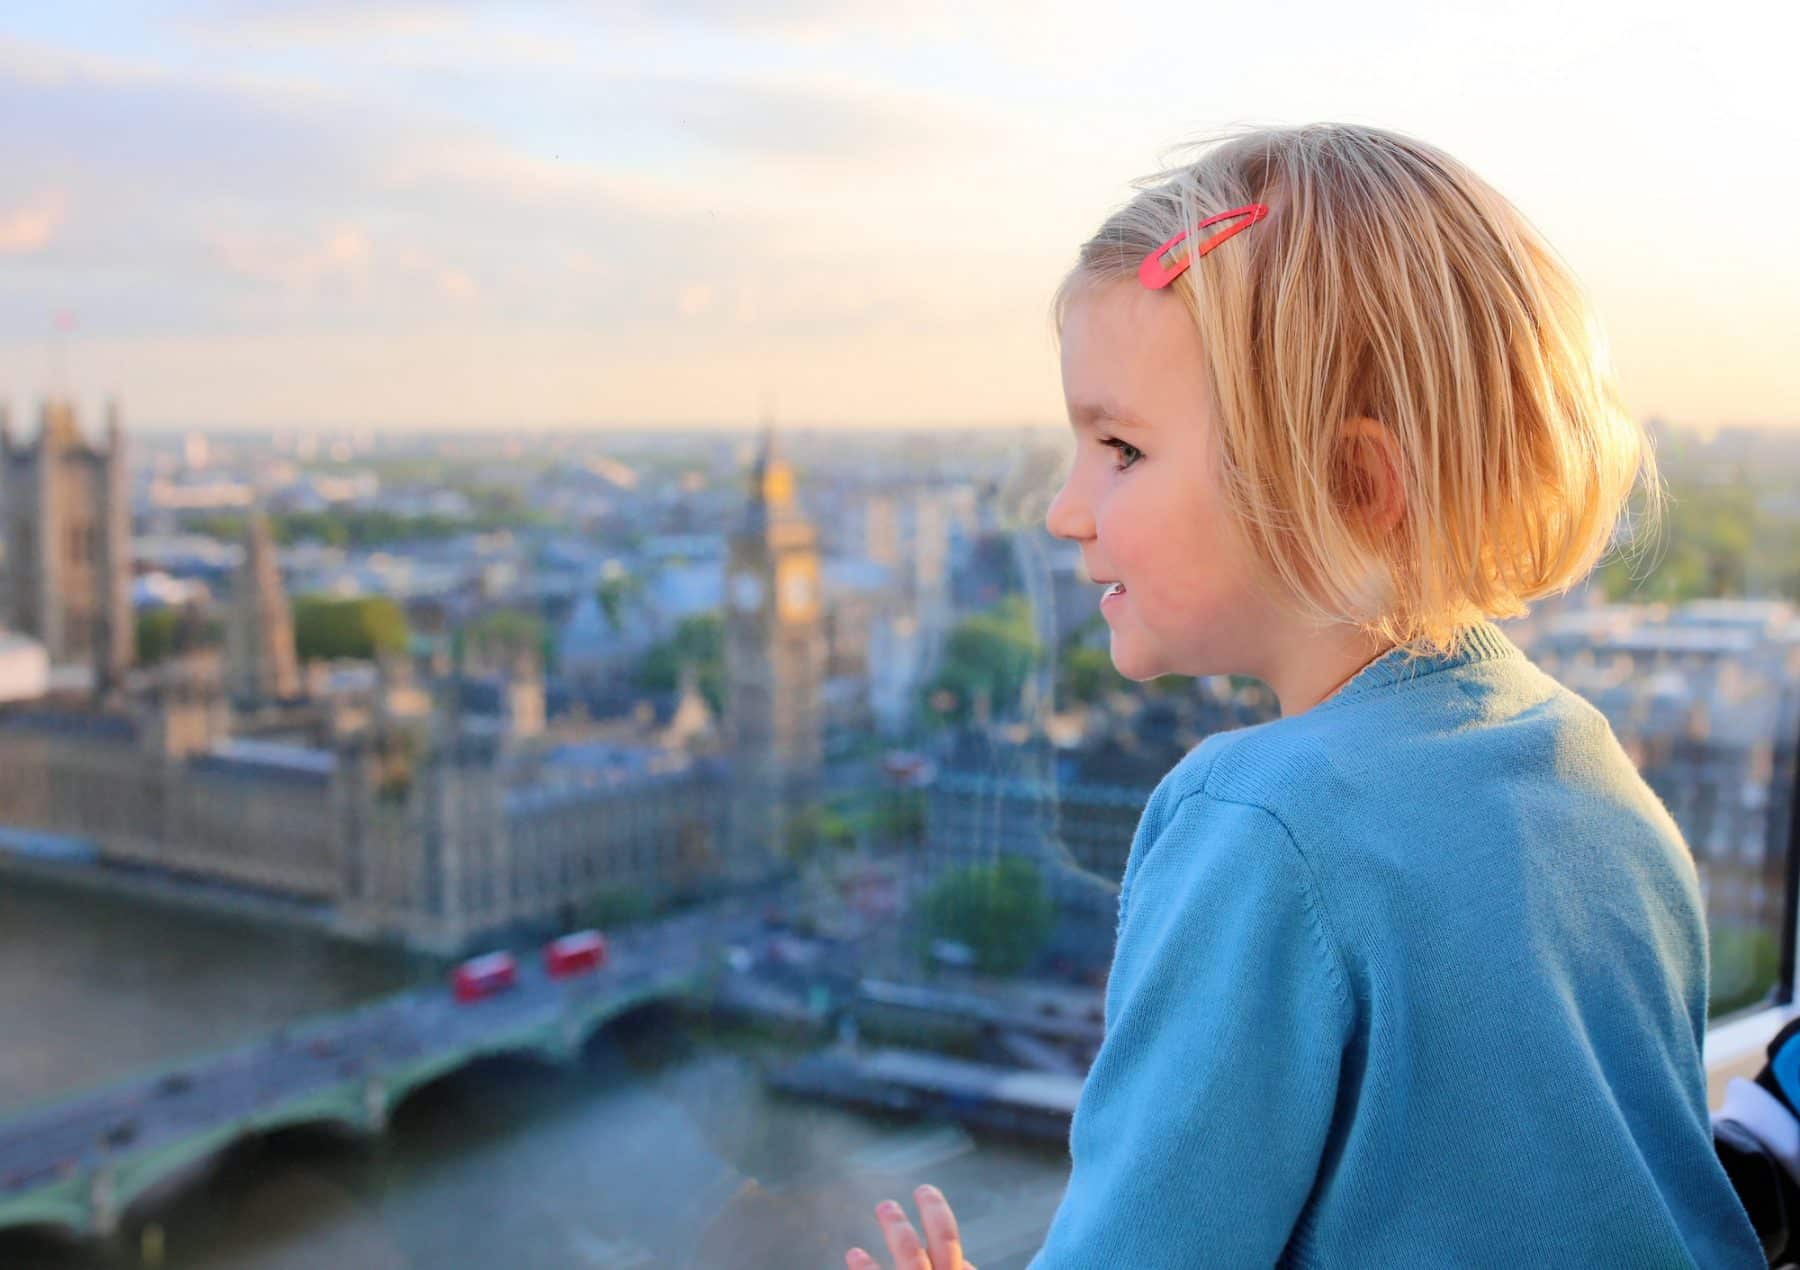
797	590
746	591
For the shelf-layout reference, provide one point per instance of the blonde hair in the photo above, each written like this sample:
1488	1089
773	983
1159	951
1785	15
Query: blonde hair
1389	281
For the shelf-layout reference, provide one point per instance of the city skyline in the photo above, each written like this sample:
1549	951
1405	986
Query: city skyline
428	216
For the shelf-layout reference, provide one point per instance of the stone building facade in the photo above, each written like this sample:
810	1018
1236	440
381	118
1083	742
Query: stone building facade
434	815
415	830
160	785
68	543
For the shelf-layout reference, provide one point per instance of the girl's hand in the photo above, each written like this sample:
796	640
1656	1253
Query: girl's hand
944	1244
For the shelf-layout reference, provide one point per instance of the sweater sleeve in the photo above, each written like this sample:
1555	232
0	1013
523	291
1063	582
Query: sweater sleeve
1201	1124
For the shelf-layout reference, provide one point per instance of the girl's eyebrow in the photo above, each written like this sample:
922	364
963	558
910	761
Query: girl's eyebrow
1087	412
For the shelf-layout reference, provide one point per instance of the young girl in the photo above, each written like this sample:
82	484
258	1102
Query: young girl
1415	974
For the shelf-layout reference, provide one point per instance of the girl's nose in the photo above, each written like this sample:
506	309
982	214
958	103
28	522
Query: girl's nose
1068	516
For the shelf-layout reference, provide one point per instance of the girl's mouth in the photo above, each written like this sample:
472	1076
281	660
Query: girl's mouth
1112	592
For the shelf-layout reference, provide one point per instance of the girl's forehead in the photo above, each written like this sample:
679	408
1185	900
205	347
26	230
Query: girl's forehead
1126	313
1124	345
1107	299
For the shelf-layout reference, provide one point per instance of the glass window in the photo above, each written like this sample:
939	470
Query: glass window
607	719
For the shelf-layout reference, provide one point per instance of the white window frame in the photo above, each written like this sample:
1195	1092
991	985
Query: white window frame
1735	1047
1738	1045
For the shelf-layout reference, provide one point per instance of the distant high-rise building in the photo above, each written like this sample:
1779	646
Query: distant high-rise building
881	529
68	543
774	664
259	633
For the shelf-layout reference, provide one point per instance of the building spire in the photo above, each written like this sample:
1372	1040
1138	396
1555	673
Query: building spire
260	652
770	452
771	480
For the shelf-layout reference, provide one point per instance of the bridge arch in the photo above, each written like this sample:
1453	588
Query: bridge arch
43	1214
92	1199
555	1043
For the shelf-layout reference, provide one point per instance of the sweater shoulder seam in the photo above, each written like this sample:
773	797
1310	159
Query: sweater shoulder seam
1312	897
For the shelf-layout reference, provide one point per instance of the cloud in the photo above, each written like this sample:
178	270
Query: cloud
808	21
323	21
765	119
580	260
455	284
32	225
294	264
441	278
440	25
209	205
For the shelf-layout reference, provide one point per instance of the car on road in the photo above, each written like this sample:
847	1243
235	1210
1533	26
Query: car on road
121	1134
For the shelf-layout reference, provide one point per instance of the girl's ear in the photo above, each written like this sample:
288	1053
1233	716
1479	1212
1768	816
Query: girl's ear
1373	479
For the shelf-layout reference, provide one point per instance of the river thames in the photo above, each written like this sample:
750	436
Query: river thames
659	1147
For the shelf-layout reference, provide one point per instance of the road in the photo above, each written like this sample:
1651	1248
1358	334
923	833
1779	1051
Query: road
140	1114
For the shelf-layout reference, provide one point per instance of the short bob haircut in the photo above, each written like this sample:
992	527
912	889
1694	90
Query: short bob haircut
1389	281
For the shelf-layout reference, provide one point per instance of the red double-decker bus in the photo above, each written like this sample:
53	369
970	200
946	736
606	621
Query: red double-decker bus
483	976
575	954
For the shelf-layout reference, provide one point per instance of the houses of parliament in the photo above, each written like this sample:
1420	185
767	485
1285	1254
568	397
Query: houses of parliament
434	808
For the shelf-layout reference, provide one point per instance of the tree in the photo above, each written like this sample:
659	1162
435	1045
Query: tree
327	627
170	632
156	634
1085	674
699	642
986	656
225	526
816	829
1703	550
1000	911
616	906
899	816
372	527
615	593
505	631
1745	964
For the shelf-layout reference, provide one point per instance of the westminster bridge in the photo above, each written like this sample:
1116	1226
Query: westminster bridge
78	1163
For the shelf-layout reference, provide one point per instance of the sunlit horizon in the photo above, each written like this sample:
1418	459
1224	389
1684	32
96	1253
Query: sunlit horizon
426	217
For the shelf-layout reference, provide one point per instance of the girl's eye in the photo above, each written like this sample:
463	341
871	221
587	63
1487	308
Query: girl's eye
1128	453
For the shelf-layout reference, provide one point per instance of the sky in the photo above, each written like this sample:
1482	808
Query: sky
375	213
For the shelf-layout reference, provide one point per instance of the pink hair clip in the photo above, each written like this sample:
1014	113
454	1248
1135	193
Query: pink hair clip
1156	275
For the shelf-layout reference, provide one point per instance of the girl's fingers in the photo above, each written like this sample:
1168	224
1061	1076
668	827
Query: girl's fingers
902	1239
940	1229
857	1259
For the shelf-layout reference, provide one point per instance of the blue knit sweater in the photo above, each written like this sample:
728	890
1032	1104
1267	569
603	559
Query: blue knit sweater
1415	978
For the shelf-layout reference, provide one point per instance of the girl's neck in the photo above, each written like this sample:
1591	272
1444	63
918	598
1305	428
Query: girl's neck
1326	666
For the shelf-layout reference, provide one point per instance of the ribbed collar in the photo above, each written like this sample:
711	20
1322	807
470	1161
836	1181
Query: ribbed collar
1482	642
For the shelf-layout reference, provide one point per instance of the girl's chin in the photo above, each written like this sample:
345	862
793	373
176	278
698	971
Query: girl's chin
1134	666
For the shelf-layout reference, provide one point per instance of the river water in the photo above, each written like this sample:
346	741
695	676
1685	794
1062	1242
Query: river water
660	1147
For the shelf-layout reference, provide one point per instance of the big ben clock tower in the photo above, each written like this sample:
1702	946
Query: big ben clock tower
774	665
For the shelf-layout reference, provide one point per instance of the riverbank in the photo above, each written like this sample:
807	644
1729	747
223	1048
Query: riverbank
98	984
62	862
659	1146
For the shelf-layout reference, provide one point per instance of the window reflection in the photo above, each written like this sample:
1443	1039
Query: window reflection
828	752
